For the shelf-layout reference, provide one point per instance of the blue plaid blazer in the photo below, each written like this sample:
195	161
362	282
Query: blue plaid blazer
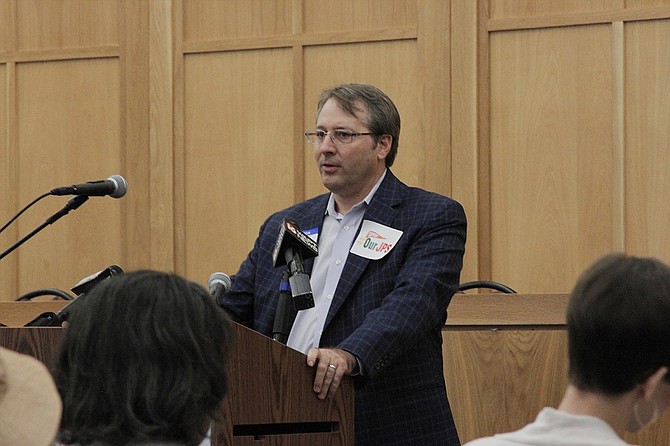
388	312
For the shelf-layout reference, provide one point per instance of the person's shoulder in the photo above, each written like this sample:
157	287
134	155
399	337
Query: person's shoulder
420	195
417	192
421	200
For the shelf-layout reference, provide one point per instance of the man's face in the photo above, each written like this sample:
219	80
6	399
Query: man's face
348	170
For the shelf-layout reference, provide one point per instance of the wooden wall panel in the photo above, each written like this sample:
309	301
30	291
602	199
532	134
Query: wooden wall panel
4	158
7	34
215	20
646	3
352	15
531	8
239	140
464	129
48	24
138	128
7	201
647	138
65	137
328	65
161	196
433	43
551	154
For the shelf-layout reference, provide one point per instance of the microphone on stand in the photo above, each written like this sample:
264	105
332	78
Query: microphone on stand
291	248
219	284
114	186
85	284
50	319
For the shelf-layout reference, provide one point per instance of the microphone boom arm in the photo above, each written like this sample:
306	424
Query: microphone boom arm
71	205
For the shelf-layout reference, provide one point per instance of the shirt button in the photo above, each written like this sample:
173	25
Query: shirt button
330	296
338	261
346	228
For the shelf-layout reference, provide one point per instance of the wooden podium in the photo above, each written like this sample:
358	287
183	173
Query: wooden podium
270	399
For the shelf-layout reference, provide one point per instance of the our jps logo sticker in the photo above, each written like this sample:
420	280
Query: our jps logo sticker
375	240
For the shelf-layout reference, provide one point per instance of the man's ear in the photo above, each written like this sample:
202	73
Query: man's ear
384	146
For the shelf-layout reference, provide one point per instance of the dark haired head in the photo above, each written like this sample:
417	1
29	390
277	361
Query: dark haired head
143	358
370	105
619	323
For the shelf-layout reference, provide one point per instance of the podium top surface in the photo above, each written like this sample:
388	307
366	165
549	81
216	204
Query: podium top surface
500	309
18	314
464	310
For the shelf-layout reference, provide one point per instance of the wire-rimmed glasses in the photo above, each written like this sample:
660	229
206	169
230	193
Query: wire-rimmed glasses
317	137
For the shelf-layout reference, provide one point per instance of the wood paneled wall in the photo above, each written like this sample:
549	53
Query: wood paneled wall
251	78
572	129
71	84
201	105
547	120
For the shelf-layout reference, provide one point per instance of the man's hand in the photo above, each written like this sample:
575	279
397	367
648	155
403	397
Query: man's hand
331	365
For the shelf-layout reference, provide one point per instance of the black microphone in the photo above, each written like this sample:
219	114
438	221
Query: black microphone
219	284
49	319
291	248
85	284
285	313
114	186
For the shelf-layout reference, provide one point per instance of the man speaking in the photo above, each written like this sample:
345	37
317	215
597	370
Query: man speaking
389	261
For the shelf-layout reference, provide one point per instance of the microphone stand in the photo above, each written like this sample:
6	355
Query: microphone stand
50	319
71	205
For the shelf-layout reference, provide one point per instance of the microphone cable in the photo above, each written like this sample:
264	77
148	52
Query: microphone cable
45	292
23	210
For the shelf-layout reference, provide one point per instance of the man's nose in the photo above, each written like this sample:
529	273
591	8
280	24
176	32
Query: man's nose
328	144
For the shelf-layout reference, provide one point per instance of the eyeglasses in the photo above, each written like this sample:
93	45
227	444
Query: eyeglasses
337	136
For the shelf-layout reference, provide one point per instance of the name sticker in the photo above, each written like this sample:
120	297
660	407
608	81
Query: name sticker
312	233
375	240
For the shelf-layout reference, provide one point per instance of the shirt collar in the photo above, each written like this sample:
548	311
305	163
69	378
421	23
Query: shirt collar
330	208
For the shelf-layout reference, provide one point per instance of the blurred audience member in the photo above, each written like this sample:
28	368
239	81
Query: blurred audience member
143	360
30	407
